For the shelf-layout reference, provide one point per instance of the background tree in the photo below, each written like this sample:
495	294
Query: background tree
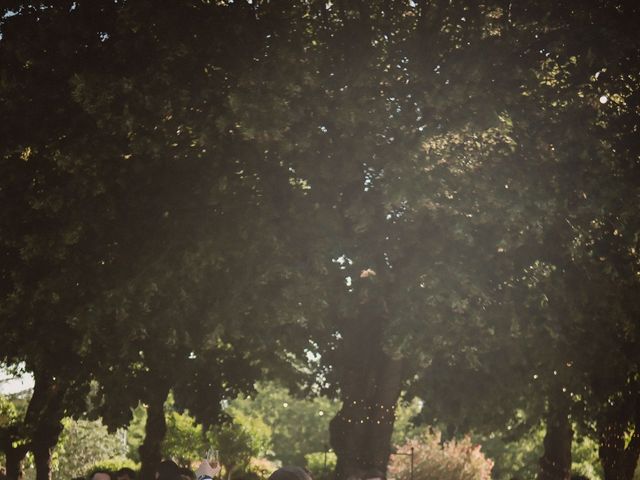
51	191
84	443
237	446
152	214
14	447
299	426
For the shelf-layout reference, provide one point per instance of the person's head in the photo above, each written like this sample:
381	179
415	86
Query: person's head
101	475
126	473
290	473
187	474
168	470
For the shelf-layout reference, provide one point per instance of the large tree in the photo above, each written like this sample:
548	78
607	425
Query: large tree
112	201
356	178
53	242
418	157
396	128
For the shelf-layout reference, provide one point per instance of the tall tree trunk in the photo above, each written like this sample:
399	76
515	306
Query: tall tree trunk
43	420
42	448
45	438
555	463
14	457
155	430
618	461
360	433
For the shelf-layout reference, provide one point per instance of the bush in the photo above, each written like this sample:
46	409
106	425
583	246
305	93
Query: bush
454	460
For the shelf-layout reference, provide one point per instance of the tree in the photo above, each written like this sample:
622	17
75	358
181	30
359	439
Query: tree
448	217
237	446
84	443
50	262
404	208
151	226
467	202
13	446
298	426
184	440
554	298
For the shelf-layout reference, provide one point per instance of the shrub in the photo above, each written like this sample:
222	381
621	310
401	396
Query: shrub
434	460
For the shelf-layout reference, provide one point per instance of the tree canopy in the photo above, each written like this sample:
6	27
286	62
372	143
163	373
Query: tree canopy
359	196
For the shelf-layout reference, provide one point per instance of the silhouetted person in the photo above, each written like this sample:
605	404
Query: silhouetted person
168	470
290	473
187	474
126	473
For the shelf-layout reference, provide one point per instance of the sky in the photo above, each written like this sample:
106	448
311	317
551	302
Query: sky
12	383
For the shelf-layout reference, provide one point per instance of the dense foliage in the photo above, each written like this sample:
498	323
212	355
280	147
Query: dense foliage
359	197
83	444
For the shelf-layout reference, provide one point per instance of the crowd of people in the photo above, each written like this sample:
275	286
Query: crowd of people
169	470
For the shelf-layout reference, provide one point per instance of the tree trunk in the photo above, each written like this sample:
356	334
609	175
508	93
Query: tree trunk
42	449
360	433
45	439
14	457
155	430
555	463
618	462
43	420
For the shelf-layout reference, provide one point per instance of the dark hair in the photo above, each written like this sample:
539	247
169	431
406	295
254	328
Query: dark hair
130	472
290	473
168	470
187	472
100	470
